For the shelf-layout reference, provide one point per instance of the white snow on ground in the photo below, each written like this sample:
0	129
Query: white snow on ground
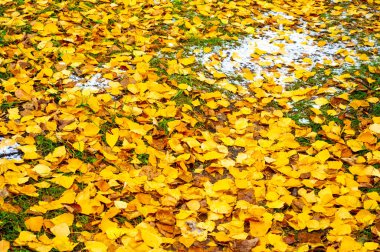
8	149
95	83
275	55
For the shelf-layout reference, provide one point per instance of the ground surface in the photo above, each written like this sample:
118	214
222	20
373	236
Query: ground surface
141	125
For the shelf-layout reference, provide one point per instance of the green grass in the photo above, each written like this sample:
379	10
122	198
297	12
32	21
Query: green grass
11	224
181	98
201	42
45	145
163	124
82	219
3	42
358	95
7	105
104	128
144	158
375	109
85	156
184	79
2	10
317	80
303	141
159	65
24	201
365	235
54	213
54	191
300	111
374	188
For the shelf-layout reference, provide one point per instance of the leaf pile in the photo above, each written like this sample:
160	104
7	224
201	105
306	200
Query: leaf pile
128	142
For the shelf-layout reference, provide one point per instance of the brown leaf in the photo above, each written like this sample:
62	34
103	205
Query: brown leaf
247	195
166	230
165	217
306	237
290	239
73	208
245	246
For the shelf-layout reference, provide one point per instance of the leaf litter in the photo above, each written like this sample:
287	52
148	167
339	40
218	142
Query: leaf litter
159	149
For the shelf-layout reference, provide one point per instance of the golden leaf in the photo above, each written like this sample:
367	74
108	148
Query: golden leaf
4	246
42	170
96	246
34	223
112	138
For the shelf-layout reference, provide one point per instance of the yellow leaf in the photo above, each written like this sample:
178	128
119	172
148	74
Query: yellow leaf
42	170
114	232
93	103
219	75
259	228
373	69
50	28
321	101
79	146
67	218
91	129
96	246
220	207
323	156
109	156
349	244
348	201
4	246
24	237
61	230
355	145
222	185
13	114
349	59
213	155
112	138
322	43
120	204
59	151
187	241
191	142
277	242
241	123
371	245
361	170
29	151
187	61
63	243
34	223
183	157
275	204
183	214
38	26
65	181
221	237
151	238
207	49
363	57
375	128
250	30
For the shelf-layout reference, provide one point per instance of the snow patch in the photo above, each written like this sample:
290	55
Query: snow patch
304	121
8	149
95	83
278	56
